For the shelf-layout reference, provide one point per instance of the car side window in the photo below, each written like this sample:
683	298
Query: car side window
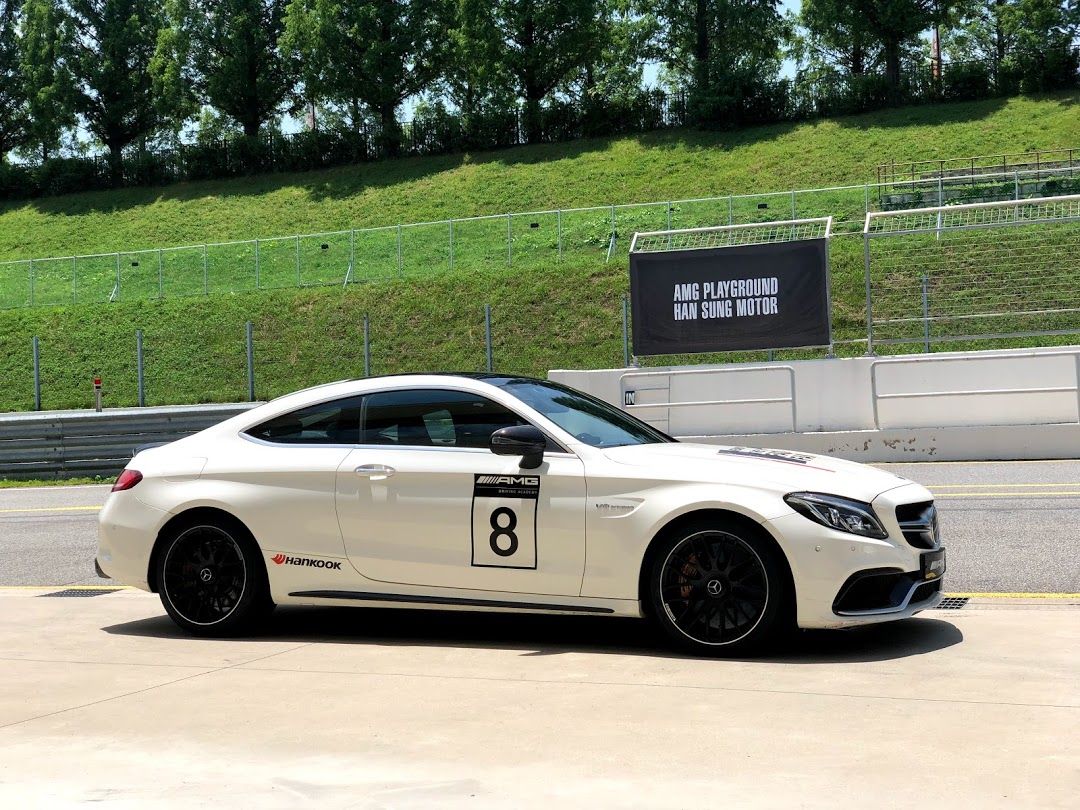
336	422
433	418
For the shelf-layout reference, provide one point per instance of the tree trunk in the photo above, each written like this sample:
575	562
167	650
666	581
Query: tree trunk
116	161
892	66
702	101
391	129
858	58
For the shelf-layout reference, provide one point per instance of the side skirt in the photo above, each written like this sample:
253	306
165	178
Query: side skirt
446	600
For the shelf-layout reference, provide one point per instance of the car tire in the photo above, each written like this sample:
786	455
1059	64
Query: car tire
719	589
211	578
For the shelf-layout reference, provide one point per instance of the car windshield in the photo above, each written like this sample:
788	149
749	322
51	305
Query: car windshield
589	420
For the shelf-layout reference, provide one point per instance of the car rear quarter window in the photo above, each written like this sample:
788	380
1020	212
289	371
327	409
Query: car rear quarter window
336	422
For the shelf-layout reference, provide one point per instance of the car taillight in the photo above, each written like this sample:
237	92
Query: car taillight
127	479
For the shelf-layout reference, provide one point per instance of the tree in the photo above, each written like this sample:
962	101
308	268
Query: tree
1032	41
112	44
725	52
374	53
539	44
837	35
224	53
50	87
13	101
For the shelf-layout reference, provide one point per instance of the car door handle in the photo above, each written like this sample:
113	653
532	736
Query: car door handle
376	472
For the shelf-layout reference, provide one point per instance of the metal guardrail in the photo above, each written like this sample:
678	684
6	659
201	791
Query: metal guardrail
970	392
61	444
668	404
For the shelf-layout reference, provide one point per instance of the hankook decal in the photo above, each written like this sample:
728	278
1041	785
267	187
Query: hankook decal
284	559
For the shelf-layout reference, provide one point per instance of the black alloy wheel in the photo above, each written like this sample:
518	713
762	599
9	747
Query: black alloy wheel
210	579
718	590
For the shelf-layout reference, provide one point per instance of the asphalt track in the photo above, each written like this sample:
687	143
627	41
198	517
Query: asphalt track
1009	527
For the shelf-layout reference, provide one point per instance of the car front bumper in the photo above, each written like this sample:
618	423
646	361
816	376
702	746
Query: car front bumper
843	579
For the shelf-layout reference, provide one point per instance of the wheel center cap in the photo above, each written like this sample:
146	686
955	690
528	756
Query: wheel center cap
206	575
715	587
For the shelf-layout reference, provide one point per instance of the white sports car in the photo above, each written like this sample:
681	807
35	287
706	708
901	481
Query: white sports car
495	492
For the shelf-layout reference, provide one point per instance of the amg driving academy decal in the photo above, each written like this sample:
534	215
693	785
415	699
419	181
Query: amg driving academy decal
774	455
504	521
285	559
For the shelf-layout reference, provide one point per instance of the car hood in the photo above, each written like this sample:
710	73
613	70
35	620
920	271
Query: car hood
780	470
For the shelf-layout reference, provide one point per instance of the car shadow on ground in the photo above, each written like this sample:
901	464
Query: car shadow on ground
555	635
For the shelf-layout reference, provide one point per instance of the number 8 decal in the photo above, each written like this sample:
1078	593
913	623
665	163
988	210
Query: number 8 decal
503	531
504	510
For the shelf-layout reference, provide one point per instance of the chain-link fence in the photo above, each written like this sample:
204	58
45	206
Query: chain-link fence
974	272
520	240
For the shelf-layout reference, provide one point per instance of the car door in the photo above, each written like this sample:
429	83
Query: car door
423	501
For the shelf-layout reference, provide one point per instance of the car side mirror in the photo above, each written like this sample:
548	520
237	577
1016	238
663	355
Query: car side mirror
520	440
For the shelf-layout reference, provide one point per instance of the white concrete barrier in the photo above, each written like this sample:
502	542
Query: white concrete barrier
1022	403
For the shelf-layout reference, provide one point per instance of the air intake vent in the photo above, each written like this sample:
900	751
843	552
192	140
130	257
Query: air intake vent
919	523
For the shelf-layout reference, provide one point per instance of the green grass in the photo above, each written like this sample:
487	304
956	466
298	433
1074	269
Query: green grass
549	311
9	483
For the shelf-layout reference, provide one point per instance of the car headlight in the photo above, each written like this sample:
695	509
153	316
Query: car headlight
842	514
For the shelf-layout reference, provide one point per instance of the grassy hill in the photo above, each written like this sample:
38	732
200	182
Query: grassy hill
547	313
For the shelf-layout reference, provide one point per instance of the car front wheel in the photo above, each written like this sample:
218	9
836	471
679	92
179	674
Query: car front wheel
718	589
211	580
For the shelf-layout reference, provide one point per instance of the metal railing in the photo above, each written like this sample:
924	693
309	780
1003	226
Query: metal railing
1040	160
970	392
668	405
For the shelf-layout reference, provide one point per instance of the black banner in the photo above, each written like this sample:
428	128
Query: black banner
768	296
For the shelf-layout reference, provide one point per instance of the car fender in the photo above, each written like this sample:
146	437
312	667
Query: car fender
617	539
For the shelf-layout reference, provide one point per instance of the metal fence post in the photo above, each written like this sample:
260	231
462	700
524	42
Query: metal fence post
793	215
139	367
31	282
160	276
940	192
249	336
352	251
205	273
117	276
558	227
926	311
487	336
869	305
367	347
74	280
400	265
1016	182
509	241
451	245
37	372
668	216
730	211
298	280
258	266
626	330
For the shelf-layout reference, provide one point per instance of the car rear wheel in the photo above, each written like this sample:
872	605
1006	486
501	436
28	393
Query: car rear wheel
718	589
211	580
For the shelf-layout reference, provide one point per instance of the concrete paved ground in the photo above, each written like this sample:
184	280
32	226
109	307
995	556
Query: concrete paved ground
102	700
1008	526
